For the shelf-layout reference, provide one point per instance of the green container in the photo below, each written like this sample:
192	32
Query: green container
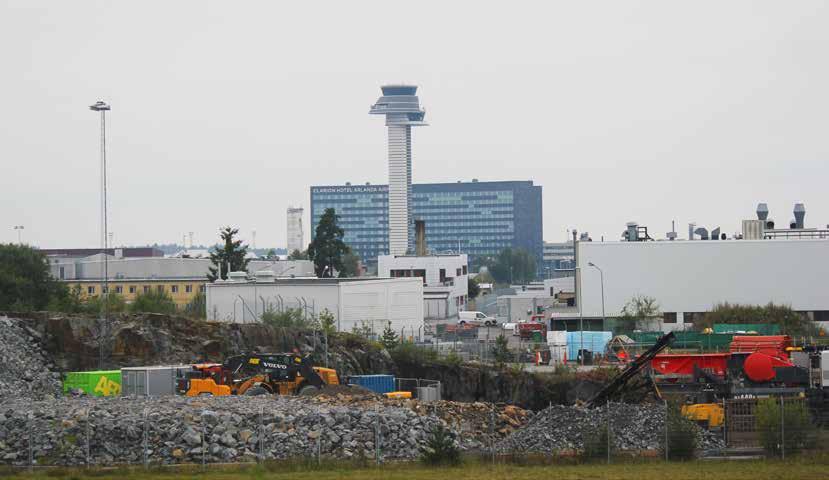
760	328
102	383
536	337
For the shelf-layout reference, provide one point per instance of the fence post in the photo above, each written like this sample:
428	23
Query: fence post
144	441
319	437
262	434
87	435
608	432
31	418
492	433
782	429
666	431
203	442
377	434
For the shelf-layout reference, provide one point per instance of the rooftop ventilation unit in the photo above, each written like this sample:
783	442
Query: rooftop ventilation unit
702	232
799	215
762	211
715	234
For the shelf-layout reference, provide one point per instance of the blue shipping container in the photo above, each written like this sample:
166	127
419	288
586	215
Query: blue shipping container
376	383
593	342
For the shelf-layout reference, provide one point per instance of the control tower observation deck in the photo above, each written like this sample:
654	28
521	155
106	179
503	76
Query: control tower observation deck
401	107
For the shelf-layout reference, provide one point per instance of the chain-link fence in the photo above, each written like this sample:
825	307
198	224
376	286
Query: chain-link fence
89	432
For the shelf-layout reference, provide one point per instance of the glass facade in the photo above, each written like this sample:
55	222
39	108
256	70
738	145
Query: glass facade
480	218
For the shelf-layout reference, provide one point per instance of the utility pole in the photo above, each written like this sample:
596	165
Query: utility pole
103	107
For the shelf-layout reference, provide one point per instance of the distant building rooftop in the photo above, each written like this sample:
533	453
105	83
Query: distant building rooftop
126	252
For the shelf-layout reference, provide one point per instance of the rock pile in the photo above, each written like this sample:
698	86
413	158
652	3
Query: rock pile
27	370
222	429
561	428
479	424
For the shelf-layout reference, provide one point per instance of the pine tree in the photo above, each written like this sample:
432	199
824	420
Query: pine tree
232	255
500	351
389	338
327	249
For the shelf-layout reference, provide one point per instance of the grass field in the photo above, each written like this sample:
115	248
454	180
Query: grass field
811	469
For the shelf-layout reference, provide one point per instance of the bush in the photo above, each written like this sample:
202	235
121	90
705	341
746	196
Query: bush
682	434
790	322
115	304
596	444
289	318
441	448
409	353
500	351
197	307
153	302
797	430
327	322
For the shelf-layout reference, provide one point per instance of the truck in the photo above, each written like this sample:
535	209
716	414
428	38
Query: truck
257	374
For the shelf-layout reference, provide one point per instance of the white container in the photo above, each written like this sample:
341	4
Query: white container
151	381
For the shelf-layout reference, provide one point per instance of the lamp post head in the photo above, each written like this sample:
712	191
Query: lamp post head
99	106
591	264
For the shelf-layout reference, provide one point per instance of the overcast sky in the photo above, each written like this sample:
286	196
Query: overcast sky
226	112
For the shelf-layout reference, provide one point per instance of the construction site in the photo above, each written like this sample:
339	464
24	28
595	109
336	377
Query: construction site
210	396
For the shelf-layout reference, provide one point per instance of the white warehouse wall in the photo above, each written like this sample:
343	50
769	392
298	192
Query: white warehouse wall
374	301
694	276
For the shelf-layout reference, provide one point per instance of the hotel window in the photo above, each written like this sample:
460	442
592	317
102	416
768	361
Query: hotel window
188	289
104	289
174	288
146	289
669	317
90	290
132	288
202	288
160	288
119	289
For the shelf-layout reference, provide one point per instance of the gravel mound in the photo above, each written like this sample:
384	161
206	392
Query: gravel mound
223	429
564	428
26	370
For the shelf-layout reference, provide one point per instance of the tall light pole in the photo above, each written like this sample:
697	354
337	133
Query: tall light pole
103	107
19	229
601	275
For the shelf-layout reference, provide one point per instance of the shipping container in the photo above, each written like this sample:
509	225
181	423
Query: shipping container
152	381
594	342
376	383
99	383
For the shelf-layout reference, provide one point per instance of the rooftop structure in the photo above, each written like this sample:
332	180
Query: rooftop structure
401	107
295	230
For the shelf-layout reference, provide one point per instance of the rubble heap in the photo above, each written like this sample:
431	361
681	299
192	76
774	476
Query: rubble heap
560	429
28	371
223	429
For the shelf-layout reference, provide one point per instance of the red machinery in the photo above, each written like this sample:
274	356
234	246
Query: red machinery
754	364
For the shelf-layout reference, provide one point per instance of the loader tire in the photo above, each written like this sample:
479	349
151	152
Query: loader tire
307	390
255	391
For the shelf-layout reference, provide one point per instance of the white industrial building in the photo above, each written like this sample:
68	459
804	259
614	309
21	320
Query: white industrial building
295	230
118	267
373	303
445	280
692	277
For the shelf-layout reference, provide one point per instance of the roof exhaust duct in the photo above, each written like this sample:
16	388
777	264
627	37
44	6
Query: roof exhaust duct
762	211
702	232
799	215
420	238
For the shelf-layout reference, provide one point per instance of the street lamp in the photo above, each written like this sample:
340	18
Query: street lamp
19	229
103	107
601	275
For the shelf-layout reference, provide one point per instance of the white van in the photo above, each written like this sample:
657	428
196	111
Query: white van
476	317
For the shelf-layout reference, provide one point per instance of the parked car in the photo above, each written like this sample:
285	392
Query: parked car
479	318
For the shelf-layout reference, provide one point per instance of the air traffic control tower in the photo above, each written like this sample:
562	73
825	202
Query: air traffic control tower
401	107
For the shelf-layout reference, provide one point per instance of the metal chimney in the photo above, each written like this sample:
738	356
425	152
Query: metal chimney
799	215
420	238
762	211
